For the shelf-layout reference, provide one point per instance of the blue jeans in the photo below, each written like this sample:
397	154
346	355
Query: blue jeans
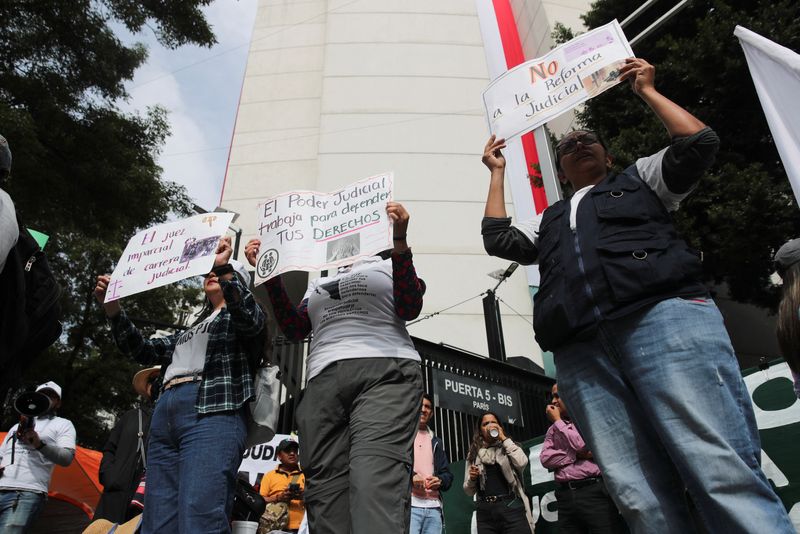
426	521
18	509
659	399
192	460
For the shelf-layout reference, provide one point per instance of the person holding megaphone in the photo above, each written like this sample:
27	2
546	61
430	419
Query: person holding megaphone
30	451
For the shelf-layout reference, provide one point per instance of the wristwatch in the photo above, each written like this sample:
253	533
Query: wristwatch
41	446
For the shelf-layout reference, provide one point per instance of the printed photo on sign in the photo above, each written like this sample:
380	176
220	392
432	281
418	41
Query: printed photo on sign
314	231
344	247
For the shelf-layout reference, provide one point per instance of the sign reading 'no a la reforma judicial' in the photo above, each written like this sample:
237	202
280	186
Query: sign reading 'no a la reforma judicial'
540	90
167	253
311	231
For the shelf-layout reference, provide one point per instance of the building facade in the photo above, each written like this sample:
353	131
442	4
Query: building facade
339	90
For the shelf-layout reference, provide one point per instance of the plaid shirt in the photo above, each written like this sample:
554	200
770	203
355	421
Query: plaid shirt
234	335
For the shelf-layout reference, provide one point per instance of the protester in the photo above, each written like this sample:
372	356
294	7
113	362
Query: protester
36	451
124	454
638	344
286	483
9	230
431	475
787	261
494	475
584	506
361	404
199	424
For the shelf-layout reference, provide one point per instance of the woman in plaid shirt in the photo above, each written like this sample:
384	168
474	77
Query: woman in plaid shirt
199	424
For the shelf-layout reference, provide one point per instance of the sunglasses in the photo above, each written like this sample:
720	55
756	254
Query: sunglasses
554	396
220	270
568	146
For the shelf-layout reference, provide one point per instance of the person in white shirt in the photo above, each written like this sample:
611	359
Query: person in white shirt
36	451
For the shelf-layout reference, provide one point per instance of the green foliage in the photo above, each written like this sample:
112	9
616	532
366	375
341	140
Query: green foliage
743	210
85	173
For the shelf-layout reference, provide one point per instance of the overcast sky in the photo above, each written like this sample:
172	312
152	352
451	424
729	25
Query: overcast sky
200	88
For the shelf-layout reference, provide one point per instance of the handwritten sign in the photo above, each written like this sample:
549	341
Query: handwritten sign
540	90
311	231
167	253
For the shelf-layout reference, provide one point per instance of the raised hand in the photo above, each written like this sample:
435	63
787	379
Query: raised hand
224	252
639	73
251	250
492	157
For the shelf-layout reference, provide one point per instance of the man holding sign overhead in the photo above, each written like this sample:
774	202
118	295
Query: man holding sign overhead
641	352
359	414
198	429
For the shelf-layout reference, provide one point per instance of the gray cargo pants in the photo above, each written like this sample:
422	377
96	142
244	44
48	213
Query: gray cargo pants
357	422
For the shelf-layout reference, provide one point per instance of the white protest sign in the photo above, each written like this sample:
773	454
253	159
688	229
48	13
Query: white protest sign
311	231
540	90
261	459
168	253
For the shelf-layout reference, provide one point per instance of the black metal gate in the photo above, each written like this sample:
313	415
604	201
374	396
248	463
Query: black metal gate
455	428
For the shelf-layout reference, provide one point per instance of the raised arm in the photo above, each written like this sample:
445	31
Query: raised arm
408	289
677	121
496	163
127	337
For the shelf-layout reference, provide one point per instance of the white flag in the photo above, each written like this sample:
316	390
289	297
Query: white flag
776	74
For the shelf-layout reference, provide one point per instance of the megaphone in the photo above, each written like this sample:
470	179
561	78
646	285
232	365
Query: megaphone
32	404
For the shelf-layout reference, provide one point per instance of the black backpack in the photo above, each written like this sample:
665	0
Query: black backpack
248	504
29	309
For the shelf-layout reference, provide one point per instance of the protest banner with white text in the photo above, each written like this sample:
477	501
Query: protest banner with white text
311	231
167	253
541	89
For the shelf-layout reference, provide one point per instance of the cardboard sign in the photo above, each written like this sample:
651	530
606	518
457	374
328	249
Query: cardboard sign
311	231
540	90
167	253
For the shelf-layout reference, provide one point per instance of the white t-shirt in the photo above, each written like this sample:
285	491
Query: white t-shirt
9	231
31	471
189	356
650	171
352	316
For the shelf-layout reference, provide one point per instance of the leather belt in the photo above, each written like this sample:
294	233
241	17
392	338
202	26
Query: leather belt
576	484
184	379
496	498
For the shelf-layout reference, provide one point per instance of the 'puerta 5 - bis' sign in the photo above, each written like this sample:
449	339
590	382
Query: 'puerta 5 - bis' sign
470	395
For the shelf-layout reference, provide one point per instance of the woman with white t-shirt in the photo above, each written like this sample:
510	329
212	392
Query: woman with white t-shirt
358	417
199	425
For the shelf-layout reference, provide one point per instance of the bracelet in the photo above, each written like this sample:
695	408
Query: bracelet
399	238
41	446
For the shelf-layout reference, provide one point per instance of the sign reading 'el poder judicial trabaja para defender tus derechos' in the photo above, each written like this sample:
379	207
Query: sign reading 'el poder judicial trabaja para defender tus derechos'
311	231
167	253
539	90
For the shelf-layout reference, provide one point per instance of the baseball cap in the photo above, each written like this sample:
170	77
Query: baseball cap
50	385
787	255
286	444
5	155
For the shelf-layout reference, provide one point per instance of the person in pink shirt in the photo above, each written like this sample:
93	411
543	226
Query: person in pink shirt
584	505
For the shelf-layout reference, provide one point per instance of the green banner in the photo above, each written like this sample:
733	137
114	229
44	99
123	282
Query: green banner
777	411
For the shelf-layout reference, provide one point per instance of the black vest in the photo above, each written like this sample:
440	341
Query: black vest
624	255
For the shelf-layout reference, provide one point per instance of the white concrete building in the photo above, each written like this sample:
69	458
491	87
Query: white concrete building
338	90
